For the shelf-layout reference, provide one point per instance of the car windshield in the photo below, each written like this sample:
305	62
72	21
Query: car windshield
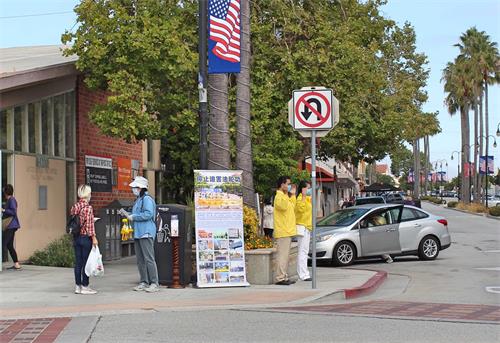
343	217
374	200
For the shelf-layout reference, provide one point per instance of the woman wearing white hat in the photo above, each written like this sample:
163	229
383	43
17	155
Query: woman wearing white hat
142	219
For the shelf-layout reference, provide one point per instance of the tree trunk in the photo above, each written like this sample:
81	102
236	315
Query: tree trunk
480	185
476	137
218	139
426	164
465	133
416	169
487	132
243	129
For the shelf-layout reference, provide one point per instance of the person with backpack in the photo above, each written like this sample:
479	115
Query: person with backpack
84	238
143	221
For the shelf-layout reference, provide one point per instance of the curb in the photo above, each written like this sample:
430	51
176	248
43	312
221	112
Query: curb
368	287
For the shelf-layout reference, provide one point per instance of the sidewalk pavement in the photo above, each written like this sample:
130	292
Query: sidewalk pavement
41	292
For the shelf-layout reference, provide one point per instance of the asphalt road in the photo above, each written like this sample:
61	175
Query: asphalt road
463	274
467	272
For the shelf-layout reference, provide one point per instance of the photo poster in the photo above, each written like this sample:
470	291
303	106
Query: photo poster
220	245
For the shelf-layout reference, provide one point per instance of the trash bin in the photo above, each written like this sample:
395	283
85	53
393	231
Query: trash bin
108	229
166	216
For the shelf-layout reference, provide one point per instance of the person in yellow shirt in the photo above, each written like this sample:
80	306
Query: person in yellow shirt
284	226
303	218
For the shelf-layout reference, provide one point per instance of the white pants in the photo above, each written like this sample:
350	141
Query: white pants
303	241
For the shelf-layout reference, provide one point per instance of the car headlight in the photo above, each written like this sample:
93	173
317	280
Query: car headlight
323	238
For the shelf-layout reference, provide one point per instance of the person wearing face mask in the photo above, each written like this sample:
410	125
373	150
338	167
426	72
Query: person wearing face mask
303	218
142	219
284	226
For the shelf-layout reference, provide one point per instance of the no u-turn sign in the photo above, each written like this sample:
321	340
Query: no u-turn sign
313	109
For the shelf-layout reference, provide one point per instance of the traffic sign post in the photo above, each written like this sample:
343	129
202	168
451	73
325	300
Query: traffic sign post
313	112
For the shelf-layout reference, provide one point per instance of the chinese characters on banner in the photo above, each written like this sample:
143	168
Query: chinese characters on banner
224	36
220	246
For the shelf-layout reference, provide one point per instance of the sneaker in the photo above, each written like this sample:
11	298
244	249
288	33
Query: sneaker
307	279
142	286
88	290
152	288
78	289
389	259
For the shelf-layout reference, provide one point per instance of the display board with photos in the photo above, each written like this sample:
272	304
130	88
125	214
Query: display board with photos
220	245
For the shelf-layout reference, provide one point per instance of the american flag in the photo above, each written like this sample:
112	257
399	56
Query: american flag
225	28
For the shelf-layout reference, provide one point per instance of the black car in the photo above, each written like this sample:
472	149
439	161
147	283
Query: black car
394	198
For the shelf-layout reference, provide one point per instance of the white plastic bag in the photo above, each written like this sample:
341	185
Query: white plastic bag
94	266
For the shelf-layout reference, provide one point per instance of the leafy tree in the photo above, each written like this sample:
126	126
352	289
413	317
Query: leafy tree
382	178
144	53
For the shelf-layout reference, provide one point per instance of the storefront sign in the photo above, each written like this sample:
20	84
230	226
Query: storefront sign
124	174
220	246
98	173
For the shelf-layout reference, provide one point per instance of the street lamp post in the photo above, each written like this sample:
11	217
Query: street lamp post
440	162
486	160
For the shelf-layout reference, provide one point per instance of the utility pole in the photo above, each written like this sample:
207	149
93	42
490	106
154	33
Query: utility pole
202	81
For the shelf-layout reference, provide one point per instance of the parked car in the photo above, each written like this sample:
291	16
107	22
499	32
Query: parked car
369	200
394	198
493	200
372	230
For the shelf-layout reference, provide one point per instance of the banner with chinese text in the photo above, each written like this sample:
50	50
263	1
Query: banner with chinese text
220	246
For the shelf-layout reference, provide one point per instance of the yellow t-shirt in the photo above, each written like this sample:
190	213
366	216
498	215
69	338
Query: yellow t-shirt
303	212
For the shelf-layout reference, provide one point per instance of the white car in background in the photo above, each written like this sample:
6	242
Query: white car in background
493	200
373	230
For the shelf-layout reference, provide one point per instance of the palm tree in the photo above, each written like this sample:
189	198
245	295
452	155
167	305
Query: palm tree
243	134
476	46
219	156
458	85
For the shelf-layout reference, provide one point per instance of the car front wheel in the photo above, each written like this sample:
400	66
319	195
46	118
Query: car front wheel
428	248
343	254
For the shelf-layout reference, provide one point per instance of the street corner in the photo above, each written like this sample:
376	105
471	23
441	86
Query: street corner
369	287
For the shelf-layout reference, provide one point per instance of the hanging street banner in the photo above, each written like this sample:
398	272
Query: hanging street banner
482	165
224	29
469	169
98	173
220	246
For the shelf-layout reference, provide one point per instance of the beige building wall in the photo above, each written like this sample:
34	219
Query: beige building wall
39	227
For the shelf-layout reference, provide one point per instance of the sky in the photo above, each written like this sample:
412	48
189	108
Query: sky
438	25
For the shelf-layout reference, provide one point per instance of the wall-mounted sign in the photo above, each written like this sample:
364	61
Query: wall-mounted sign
98	173
124	174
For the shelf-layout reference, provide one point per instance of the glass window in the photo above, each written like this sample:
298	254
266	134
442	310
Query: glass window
59	125
46	127
408	215
420	214
3	129
150	150
70	124
31	129
343	217
18	128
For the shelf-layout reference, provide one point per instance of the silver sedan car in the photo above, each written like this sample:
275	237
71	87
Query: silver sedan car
374	230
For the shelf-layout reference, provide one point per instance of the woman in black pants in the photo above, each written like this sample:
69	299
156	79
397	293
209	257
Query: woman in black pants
9	215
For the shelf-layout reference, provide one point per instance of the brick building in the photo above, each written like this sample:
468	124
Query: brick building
48	145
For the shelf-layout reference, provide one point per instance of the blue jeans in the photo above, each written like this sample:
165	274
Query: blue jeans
82	245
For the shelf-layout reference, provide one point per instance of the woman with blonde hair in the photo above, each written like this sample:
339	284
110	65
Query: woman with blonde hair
83	242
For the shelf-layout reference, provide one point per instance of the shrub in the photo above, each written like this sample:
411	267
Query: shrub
434	200
252	238
250	222
495	211
453	204
58	253
476	208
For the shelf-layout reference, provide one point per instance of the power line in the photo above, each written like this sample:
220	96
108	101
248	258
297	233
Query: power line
35	15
